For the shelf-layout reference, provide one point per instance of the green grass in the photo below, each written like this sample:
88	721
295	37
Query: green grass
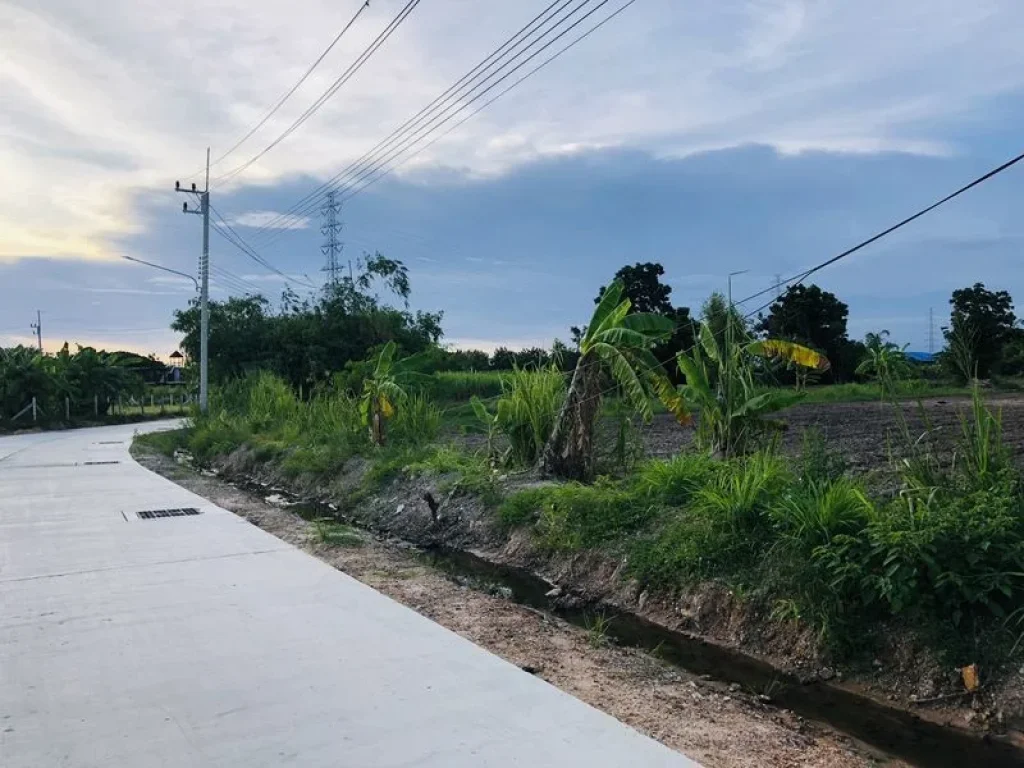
452	386
857	392
164	442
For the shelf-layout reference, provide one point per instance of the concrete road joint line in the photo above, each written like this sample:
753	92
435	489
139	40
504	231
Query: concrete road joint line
136	566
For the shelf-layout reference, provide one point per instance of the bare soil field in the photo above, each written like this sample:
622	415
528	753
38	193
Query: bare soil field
861	432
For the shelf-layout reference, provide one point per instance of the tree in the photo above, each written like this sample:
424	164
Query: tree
985	322
885	361
815	318
618	344
647	294
307	340
721	382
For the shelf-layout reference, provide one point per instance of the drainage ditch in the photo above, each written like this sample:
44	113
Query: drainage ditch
896	732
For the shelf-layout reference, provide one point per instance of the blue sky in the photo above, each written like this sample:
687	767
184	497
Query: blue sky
763	135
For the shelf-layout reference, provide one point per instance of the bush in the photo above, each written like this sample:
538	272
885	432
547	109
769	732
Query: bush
675	482
958	555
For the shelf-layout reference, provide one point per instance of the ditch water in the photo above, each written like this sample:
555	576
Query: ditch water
893	731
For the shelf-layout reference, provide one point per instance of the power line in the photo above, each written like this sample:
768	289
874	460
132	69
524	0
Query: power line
379	170
280	102
542	65
796	279
236	240
452	91
337	84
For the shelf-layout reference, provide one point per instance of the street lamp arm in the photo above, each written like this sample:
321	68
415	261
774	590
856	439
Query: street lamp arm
165	269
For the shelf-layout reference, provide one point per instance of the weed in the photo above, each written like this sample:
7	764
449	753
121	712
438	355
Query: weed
330	531
676	481
166	442
597	626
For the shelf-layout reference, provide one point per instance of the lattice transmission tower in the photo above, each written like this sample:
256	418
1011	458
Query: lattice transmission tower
331	229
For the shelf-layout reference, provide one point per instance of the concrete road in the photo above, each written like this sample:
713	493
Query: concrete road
203	641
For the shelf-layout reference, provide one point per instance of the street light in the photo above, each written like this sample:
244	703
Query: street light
163	268
731	276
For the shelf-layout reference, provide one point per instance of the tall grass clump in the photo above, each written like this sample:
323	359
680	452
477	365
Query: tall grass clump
526	412
417	421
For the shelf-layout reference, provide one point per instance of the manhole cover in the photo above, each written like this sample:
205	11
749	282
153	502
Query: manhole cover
153	514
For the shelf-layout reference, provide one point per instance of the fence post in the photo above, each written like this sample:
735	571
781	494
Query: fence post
67	409
96	405
34	408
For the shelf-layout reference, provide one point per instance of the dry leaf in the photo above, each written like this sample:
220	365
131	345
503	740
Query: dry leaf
970	677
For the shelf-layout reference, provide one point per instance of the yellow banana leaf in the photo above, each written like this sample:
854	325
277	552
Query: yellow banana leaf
673	400
386	408
777	349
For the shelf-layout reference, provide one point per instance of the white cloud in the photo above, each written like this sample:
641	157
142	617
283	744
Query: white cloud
101	103
271	220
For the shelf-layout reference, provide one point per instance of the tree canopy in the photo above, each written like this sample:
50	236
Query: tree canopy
306	340
808	315
985	320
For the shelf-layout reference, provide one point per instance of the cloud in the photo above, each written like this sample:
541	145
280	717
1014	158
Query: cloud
102	103
271	220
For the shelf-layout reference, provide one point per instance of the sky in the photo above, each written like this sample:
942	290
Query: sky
745	135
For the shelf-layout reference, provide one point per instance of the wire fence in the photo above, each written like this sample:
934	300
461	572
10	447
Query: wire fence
99	409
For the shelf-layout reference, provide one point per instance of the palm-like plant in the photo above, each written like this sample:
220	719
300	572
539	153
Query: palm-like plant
885	361
720	384
618	344
384	390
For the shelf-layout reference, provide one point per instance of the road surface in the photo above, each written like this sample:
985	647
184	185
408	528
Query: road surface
204	641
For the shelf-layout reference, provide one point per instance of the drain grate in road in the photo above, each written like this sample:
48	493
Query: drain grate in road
153	514
110	442
98	463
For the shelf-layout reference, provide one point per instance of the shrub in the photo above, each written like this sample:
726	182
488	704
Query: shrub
959	554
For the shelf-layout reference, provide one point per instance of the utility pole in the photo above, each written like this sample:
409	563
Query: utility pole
204	283
332	246
37	326
931	331
778	286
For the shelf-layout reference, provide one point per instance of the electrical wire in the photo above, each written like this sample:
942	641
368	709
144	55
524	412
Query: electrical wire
236	240
452	91
280	102
347	75
486	104
799	278
382	171
379	169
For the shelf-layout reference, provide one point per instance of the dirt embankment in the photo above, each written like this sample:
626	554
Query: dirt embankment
719	725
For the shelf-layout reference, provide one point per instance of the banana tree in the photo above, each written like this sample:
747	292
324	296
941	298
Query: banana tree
885	361
385	390
617	344
720	385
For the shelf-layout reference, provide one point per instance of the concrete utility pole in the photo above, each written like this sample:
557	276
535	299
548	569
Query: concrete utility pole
204	283
37	326
931	331
332	246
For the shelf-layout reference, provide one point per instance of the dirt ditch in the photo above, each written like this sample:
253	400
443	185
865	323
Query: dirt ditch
716	723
